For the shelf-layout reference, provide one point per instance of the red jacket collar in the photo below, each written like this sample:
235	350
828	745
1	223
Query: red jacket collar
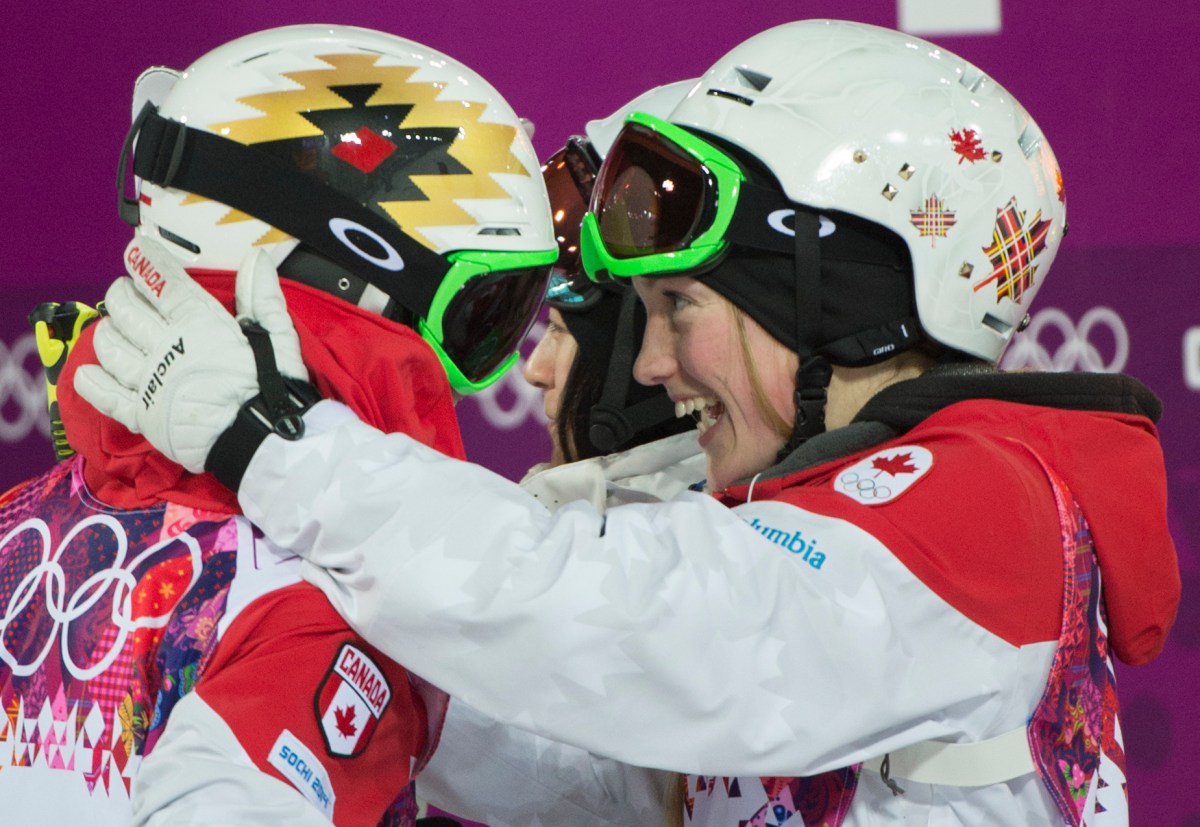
382	370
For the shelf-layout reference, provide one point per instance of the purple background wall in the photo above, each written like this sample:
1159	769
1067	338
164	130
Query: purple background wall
1113	85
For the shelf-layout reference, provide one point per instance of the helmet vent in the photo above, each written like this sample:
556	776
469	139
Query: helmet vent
191	247
755	80
972	78
997	324
499	231
733	96
1030	140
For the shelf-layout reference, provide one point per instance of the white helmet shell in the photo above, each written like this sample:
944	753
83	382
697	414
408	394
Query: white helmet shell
659	101
896	130
483	193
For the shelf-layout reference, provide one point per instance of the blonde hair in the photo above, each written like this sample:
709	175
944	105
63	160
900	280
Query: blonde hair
673	801
781	426
674	798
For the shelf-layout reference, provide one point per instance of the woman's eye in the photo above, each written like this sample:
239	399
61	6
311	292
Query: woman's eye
678	301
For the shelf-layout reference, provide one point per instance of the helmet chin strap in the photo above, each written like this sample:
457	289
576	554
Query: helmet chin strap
815	371
612	422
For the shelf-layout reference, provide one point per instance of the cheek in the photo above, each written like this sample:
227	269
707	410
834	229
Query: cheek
776	371
708	349
550	402
781	384
564	358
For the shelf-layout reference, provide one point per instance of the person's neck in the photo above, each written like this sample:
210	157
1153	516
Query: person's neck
850	388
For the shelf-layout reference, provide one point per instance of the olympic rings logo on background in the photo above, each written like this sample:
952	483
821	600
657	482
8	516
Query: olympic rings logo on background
1078	349
22	390
115	583
525	401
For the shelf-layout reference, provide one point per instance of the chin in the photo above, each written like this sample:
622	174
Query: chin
721	475
718	479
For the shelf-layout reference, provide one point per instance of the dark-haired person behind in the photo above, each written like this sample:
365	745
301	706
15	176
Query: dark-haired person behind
584	363
613	441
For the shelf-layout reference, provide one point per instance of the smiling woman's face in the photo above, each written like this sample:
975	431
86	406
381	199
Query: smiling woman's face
693	347
547	368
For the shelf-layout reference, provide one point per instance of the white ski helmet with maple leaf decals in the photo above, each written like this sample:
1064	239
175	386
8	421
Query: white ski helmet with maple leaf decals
888	127
364	164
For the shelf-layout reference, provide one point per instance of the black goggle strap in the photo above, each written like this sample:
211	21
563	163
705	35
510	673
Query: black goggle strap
814	372
764	219
610	422
171	154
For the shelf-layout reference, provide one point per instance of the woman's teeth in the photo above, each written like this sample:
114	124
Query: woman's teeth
701	408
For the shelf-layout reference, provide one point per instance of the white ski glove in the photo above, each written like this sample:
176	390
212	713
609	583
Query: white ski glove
174	365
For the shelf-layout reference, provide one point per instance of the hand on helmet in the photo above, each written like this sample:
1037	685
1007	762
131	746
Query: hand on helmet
174	365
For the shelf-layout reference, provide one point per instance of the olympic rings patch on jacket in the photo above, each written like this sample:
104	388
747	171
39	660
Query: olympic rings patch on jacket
885	475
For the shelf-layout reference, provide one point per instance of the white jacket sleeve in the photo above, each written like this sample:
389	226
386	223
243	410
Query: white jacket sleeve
672	635
507	777
198	775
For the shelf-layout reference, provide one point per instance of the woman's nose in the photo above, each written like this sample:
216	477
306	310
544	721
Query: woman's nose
655	362
539	367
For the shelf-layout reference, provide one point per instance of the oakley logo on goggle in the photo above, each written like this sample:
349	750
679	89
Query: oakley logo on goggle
346	231
777	219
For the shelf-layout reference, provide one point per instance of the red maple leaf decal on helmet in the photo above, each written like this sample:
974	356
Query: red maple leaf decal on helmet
967	145
344	718
899	464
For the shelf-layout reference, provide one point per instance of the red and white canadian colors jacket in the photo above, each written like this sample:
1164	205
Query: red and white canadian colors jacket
796	625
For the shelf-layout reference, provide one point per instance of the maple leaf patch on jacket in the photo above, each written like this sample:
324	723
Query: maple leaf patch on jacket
352	696
884	475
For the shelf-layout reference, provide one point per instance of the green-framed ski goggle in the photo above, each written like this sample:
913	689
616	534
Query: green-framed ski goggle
663	202
474	307
484	290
